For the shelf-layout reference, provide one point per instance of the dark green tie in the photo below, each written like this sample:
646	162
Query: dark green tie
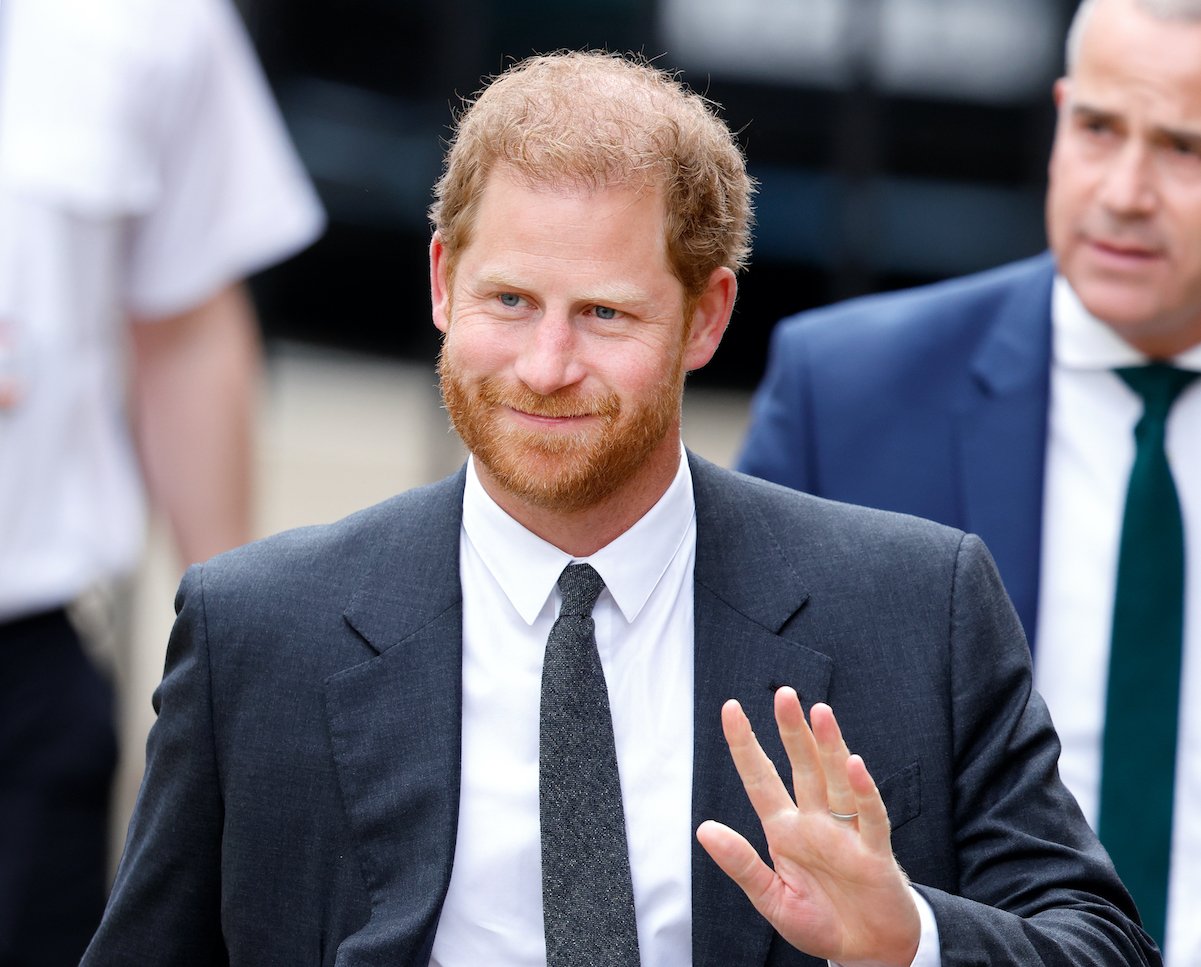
1143	700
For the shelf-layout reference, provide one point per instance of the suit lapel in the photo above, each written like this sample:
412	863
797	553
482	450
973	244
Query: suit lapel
394	724
1002	436
395	720
746	590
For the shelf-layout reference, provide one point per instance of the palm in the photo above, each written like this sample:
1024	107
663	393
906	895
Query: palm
835	890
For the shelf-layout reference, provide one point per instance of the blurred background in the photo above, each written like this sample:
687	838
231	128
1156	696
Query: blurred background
895	142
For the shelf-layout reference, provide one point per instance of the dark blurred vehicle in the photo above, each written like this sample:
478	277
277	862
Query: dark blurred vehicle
895	141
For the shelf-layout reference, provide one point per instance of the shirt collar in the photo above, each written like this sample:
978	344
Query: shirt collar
527	568
1082	341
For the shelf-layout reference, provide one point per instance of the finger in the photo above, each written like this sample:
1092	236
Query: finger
874	827
808	778
833	753
737	859
759	777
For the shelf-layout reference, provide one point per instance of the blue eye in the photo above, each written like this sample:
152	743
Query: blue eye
605	312
510	299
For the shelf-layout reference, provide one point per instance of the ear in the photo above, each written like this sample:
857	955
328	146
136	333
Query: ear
1059	93
439	283
710	318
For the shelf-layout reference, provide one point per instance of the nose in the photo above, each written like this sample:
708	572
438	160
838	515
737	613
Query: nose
549	357
1128	188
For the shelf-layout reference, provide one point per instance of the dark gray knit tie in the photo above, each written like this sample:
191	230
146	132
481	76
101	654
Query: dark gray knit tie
587	895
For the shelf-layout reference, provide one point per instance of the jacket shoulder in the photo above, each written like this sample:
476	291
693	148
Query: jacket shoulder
929	313
809	528
345	553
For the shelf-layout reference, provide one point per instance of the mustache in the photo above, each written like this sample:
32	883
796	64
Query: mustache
1112	230
495	392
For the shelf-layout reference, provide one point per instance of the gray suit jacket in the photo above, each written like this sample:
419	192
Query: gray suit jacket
300	800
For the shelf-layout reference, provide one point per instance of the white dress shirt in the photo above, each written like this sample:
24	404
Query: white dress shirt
1090	449
143	166
644	633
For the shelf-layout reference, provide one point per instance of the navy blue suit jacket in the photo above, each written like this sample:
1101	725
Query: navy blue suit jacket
931	401
301	794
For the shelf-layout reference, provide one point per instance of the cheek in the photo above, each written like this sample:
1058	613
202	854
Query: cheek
1192	259
1185	219
1064	209
476	349
645	374
1071	174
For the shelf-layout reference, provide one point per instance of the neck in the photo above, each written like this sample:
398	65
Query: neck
584	531
1161	348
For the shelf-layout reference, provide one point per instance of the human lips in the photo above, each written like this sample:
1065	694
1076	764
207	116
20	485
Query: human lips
550	412
1124	251
550	419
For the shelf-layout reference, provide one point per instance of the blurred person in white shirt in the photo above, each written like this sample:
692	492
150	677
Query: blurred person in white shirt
144	173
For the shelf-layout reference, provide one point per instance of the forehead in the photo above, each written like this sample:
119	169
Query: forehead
519	227
1131	62
589	196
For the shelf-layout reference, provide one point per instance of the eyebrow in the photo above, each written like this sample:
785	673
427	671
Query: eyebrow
1088	112
1191	138
615	293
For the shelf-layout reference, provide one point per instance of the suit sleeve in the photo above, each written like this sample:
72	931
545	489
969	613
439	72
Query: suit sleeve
1036	887
165	906
777	446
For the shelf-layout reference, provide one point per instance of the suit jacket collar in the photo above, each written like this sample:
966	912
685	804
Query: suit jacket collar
403	704
421	542
1002	434
747	588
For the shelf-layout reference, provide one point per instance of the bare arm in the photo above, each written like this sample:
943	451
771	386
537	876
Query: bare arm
194	388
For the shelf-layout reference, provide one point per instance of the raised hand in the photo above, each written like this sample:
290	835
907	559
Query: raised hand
836	890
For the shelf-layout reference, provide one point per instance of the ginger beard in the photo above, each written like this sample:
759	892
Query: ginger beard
557	471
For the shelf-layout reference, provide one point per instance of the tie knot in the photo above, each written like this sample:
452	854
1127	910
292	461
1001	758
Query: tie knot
581	586
1158	384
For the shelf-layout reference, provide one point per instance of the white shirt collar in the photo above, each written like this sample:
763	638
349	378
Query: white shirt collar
526	567
1082	341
